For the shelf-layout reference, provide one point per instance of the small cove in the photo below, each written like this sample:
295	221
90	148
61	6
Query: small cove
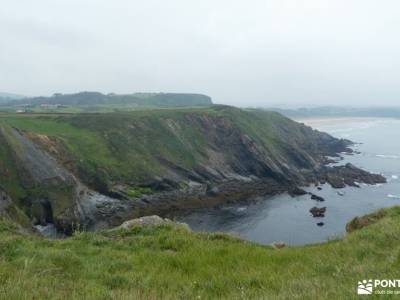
287	219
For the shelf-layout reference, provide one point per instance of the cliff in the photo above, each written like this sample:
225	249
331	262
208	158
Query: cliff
96	170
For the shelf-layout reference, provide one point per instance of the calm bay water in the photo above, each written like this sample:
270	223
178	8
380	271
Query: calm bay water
287	219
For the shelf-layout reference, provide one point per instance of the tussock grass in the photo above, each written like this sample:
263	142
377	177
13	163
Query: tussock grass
169	262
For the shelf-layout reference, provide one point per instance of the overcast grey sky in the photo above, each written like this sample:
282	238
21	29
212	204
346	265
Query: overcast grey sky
239	52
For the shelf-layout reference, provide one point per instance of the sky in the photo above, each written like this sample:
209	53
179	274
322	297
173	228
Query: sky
248	53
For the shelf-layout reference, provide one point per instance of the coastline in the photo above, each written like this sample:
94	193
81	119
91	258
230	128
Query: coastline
174	203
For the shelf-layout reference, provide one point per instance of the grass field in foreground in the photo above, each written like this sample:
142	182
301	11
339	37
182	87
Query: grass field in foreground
171	263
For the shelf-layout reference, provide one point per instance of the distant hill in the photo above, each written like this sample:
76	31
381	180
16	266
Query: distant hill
11	96
7	97
139	99
381	112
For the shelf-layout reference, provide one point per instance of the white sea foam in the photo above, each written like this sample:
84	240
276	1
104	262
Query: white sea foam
395	177
394	196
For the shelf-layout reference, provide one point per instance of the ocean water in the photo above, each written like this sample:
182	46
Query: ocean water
286	219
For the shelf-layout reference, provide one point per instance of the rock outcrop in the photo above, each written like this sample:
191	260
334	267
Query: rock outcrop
349	175
318	212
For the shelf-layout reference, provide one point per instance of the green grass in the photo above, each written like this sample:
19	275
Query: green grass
9	178
169	262
124	145
81	141
138	191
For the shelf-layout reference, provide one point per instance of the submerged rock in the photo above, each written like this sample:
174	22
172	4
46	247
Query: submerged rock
320	224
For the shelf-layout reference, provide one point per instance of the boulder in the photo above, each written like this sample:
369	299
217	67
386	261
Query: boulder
149	221
145	221
278	245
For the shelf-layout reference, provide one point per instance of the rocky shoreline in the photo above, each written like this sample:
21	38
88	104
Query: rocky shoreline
97	211
175	202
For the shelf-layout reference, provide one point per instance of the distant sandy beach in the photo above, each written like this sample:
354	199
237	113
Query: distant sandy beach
326	121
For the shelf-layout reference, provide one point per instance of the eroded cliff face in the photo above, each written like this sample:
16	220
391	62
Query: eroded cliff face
185	160
49	190
50	193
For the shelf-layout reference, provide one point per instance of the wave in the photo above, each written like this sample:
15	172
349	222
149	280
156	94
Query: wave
395	177
393	196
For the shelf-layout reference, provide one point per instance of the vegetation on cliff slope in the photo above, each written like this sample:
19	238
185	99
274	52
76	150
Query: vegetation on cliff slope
137	146
169	262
